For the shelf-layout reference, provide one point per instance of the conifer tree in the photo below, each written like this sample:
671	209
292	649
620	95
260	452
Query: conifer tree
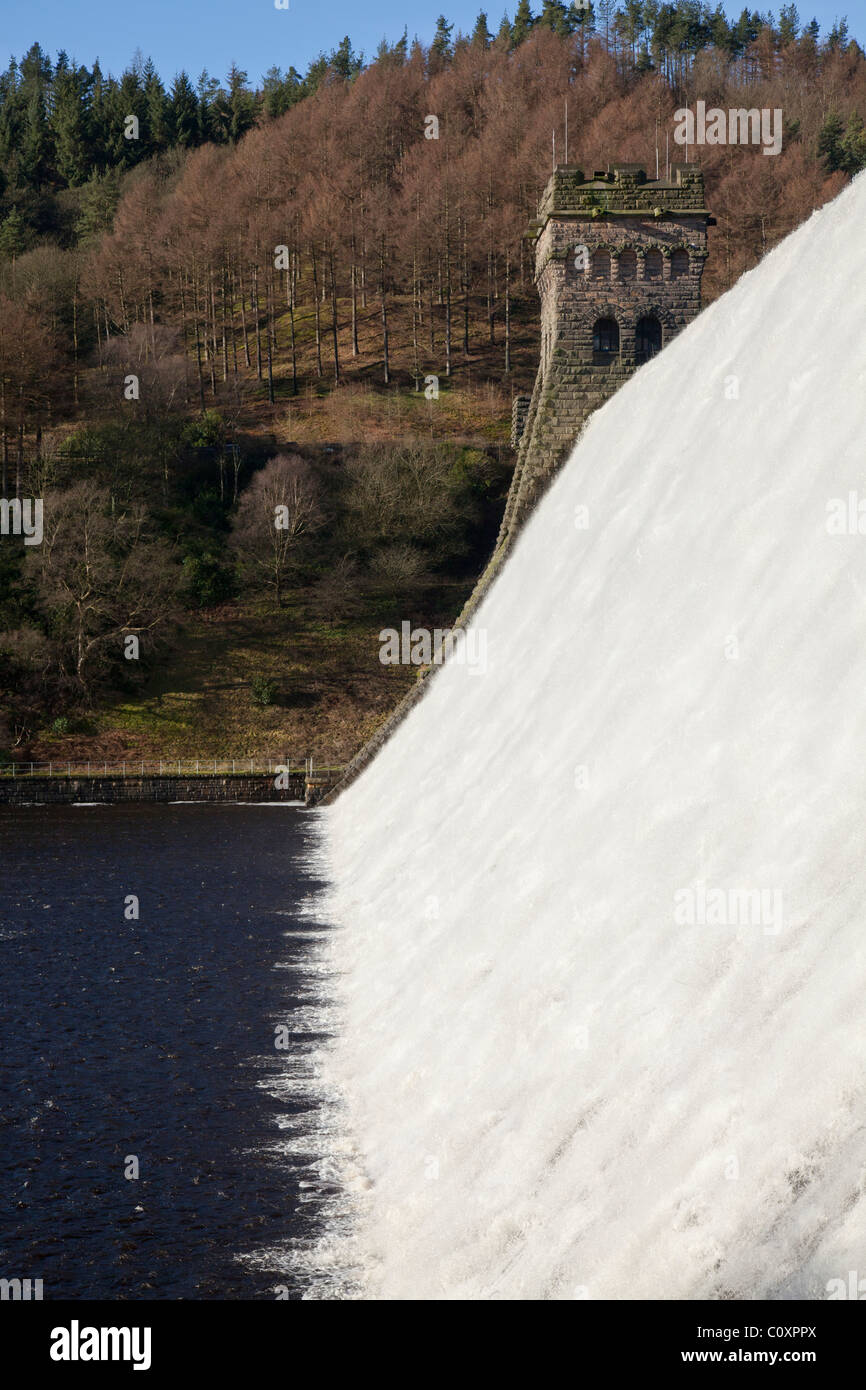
555	16
854	145
12	236
99	198
240	104
481	35
830	142
344	62
69	124
503	36
524	23
34	158
182	112
207	90
789	24
156	106
441	45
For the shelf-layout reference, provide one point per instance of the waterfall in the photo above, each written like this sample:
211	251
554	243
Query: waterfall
601	909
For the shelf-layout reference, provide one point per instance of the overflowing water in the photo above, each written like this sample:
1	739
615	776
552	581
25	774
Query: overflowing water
602	909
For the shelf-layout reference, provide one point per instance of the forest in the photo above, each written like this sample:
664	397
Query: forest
317	291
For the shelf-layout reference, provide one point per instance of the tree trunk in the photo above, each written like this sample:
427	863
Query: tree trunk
334	318
465	291
270	336
223	324
384	310
212	342
354	300
198	347
317	312
257	320
5	464
507	313
75	347
291	290
244	320
233	283
415	316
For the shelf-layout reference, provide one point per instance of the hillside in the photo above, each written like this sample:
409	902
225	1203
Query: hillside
333	273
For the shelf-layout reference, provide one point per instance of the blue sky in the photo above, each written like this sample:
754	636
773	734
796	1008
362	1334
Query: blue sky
193	34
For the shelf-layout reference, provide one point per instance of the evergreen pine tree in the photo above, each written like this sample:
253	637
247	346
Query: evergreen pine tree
182	112
11	120
12	235
35	157
789	24
720	30
315	75
582	16
503	36
125	99
70	125
97	118
241	106
830	143
156	107
275	97
99	198
344	62
853	145
441	45
838	36
208	90
524	23
481	35
556	17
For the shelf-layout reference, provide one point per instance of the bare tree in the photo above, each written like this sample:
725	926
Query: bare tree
99	577
399	493
279	507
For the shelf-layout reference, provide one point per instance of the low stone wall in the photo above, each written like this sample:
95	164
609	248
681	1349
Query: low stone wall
18	791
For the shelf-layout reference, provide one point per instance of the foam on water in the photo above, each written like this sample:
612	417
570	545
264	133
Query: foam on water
557	1087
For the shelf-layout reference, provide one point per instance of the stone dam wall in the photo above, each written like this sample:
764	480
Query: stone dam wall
60	791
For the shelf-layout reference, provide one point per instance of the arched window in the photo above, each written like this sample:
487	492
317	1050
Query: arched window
628	265
679	264
601	265
652	265
605	336
647	338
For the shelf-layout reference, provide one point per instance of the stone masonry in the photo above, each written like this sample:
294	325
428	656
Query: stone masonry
618	265
22	791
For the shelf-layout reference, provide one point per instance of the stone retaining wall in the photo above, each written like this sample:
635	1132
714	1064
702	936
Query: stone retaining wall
18	791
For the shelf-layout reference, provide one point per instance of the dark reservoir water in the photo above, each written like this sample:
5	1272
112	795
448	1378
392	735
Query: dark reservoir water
154	1038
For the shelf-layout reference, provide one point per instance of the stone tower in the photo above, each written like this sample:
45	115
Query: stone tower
618	265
